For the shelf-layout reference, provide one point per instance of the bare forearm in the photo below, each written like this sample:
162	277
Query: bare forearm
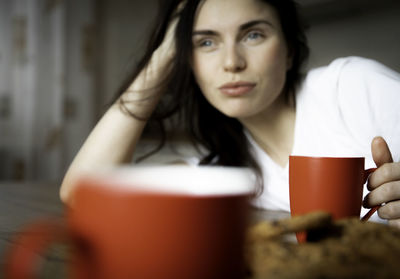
114	138
111	142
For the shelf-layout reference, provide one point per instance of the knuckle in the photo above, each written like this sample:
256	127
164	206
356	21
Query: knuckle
374	199
390	210
386	171
388	190
381	194
383	212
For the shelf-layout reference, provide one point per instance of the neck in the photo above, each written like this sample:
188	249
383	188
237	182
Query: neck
273	130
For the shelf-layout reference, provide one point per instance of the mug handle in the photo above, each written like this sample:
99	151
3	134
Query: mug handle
23	257
367	173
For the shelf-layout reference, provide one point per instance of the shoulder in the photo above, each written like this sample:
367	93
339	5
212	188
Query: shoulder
360	95
356	63
362	73
352	68
354	76
365	82
368	94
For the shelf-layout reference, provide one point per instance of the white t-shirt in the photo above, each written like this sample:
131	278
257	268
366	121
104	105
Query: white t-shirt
340	108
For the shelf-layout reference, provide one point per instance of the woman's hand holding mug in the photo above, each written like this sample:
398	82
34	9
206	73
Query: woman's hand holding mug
384	183
335	185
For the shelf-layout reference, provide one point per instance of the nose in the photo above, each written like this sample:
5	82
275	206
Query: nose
234	60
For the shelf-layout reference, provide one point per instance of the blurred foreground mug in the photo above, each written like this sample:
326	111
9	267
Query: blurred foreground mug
151	222
330	184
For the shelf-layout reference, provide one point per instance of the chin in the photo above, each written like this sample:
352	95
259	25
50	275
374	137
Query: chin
238	113
241	108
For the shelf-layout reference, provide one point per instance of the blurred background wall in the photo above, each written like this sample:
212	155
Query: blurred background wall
61	62
47	63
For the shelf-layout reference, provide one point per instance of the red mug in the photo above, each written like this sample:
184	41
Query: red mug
150	222
331	184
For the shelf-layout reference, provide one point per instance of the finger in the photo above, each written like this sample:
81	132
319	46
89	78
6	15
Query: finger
394	223
385	173
380	151
169	37
179	9
166	51
385	193
173	22
390	211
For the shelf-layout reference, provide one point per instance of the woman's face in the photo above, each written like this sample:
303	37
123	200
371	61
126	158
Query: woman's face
240	57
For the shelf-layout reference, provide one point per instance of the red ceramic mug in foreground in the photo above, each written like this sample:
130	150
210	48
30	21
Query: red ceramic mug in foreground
150	222
330	184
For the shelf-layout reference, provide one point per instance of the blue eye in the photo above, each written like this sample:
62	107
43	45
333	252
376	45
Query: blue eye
206	43
253	35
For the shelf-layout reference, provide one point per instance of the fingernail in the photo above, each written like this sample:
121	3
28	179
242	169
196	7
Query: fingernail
365	202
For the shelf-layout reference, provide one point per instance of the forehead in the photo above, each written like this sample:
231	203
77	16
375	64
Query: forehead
220	14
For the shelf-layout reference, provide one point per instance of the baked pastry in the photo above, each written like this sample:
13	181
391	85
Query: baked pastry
348	248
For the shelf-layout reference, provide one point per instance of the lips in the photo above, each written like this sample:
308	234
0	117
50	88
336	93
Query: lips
237	88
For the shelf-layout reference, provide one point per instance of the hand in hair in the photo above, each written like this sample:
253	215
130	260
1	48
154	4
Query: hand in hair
143	94
114	139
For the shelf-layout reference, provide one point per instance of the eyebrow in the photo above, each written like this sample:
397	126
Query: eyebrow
242	27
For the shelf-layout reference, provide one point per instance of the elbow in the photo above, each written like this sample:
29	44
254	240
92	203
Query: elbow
65	192
68	185
63	195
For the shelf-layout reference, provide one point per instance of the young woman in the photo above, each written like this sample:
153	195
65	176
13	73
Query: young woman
231	70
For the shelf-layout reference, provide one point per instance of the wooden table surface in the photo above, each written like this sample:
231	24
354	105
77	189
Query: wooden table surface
23	203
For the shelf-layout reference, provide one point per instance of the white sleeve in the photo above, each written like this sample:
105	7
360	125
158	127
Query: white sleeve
369	101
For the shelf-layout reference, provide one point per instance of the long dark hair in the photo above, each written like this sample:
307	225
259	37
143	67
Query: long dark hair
223	137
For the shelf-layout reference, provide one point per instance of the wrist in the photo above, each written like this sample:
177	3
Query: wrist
137	105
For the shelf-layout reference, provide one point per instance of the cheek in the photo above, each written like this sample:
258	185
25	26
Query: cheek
275	58
274	70
197	69
202	72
